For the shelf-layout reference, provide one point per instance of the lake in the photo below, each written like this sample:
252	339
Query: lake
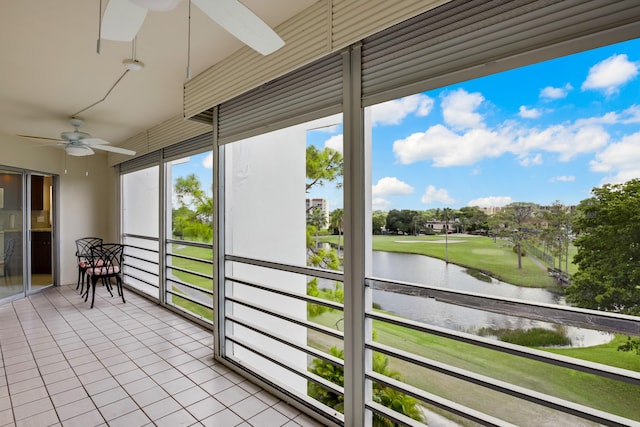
434	272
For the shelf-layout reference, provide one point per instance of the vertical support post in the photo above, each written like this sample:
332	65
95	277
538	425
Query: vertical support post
162	236
218	240
356	360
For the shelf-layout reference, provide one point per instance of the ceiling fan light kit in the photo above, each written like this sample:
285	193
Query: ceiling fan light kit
78	150
78	143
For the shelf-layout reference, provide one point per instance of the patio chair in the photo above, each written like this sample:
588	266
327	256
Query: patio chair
83	253
105	262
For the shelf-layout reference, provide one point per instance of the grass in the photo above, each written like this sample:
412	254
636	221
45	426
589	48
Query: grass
496	259
534	337
611	396
201	282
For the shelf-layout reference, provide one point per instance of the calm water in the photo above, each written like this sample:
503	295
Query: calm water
434	272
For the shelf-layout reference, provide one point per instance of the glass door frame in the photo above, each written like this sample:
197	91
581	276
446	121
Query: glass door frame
30	233
24	245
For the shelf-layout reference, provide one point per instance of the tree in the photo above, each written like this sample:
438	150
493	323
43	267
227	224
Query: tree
323	165
386	396
193	218
556	234
404	221
473	219
378	221
607	226
336	222
518	219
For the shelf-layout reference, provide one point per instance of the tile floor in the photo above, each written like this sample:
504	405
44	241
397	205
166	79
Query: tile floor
133	364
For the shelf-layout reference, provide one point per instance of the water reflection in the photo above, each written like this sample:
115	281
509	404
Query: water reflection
434	272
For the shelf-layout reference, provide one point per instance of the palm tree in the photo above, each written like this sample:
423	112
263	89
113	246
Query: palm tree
336	221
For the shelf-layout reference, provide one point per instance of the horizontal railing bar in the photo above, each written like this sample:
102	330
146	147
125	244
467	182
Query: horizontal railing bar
194	273
440	402
287	317
307	271
141	237
308	298
130	256
304	348
502	387
190	243
189	298
190	286
566	315
617	374
154	251
140	280
288	365
190	258
396	417
153	273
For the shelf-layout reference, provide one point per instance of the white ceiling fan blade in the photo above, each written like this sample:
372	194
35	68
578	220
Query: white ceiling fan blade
122	20
117	150
242	23
94	141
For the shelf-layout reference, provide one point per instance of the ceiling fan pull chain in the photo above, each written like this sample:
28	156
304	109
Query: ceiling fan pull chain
99	28
189	44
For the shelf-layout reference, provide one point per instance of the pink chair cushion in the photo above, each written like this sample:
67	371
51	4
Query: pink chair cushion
103	271
85	263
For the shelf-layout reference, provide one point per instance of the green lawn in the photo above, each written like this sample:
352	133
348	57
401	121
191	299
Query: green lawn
590	390
496	259
201	282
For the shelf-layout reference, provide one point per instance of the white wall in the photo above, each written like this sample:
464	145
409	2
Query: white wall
266	219
86	203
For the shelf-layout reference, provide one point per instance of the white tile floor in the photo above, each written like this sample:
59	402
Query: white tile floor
133	364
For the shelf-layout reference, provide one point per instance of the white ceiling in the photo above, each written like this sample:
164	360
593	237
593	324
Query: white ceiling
49	67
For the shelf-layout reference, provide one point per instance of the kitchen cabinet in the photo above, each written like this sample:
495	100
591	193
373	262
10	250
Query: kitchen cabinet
41	252
37	192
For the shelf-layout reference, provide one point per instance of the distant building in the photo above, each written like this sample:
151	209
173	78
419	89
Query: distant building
491	210
322	205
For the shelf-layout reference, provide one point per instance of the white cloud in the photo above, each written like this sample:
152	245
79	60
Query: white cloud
621	161
487	202
563	178
446	148
393	112
567	141
433	195
334	142
529	113
207	162
380	204
610	74
531	161
458	109
550	92
391	186
631	115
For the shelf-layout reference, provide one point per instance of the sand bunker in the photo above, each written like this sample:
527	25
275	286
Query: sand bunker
429	241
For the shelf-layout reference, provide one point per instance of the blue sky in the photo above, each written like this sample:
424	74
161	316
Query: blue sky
546	132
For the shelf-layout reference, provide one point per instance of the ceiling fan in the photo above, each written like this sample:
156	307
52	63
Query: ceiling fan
78	143
123	19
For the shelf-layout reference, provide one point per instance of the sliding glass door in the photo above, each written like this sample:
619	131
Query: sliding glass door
11	233
26	232
41	230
